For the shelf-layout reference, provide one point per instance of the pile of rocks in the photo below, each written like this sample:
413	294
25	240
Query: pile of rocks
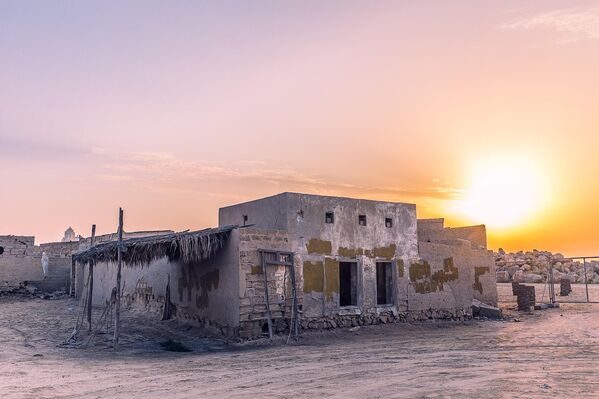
532	267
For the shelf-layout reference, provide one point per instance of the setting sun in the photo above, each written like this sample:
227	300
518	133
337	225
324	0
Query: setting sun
504	192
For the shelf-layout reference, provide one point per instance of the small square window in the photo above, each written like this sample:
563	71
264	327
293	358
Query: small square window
329	217
362	220
388	222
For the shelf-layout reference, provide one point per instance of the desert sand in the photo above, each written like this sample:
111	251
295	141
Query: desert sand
549	353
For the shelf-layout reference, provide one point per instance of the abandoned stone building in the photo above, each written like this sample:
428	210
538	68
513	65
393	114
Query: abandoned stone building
298	261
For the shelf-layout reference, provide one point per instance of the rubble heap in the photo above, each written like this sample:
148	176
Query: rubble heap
532	267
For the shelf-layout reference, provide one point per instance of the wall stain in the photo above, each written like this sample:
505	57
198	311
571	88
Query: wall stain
479	271
331	269
189	279
400	268
256	270
383	252
208	282
350	253
313	277
425	282
321	247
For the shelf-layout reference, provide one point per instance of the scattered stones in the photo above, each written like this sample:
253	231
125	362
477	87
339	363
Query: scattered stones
480	309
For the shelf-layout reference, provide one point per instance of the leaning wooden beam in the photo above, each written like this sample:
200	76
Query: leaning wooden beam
117	310
91	282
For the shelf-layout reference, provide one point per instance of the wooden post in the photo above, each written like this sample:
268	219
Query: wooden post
295	319
586	279
91	281
266	298
117	310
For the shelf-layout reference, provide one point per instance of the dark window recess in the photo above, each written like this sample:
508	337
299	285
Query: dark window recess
1	250
329	217
388	222
245	219
384	283
362	220
348	284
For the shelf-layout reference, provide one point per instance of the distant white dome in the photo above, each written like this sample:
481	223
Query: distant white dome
69	235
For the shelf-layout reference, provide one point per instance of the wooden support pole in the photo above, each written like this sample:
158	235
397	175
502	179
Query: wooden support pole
586	279
266	298
91	281
117	310
295	319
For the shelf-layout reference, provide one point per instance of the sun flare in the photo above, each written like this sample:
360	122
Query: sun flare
504	192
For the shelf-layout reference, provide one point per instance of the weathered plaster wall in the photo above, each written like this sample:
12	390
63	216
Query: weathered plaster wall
442	279
265	213
433	230
469	245
204	292
320	246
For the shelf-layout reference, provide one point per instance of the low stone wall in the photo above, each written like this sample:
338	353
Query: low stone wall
348	321
20	261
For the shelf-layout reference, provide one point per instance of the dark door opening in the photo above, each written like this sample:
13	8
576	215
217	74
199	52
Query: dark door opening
384	283
348	284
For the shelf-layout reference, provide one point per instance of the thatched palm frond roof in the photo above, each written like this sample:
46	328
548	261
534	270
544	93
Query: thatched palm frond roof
186	247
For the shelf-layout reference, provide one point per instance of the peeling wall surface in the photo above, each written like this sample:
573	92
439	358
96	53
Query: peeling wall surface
467	245
205	292
442	279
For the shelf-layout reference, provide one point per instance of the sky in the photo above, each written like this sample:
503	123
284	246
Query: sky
479	112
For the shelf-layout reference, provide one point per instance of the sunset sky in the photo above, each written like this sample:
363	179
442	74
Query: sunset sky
479	112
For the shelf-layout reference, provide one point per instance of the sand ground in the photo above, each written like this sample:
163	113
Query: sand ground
550	353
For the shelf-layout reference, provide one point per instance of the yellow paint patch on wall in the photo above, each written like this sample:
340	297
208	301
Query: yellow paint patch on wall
350	252
313	277
400	268
320	247
384	252
424	282
331	267
256	270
